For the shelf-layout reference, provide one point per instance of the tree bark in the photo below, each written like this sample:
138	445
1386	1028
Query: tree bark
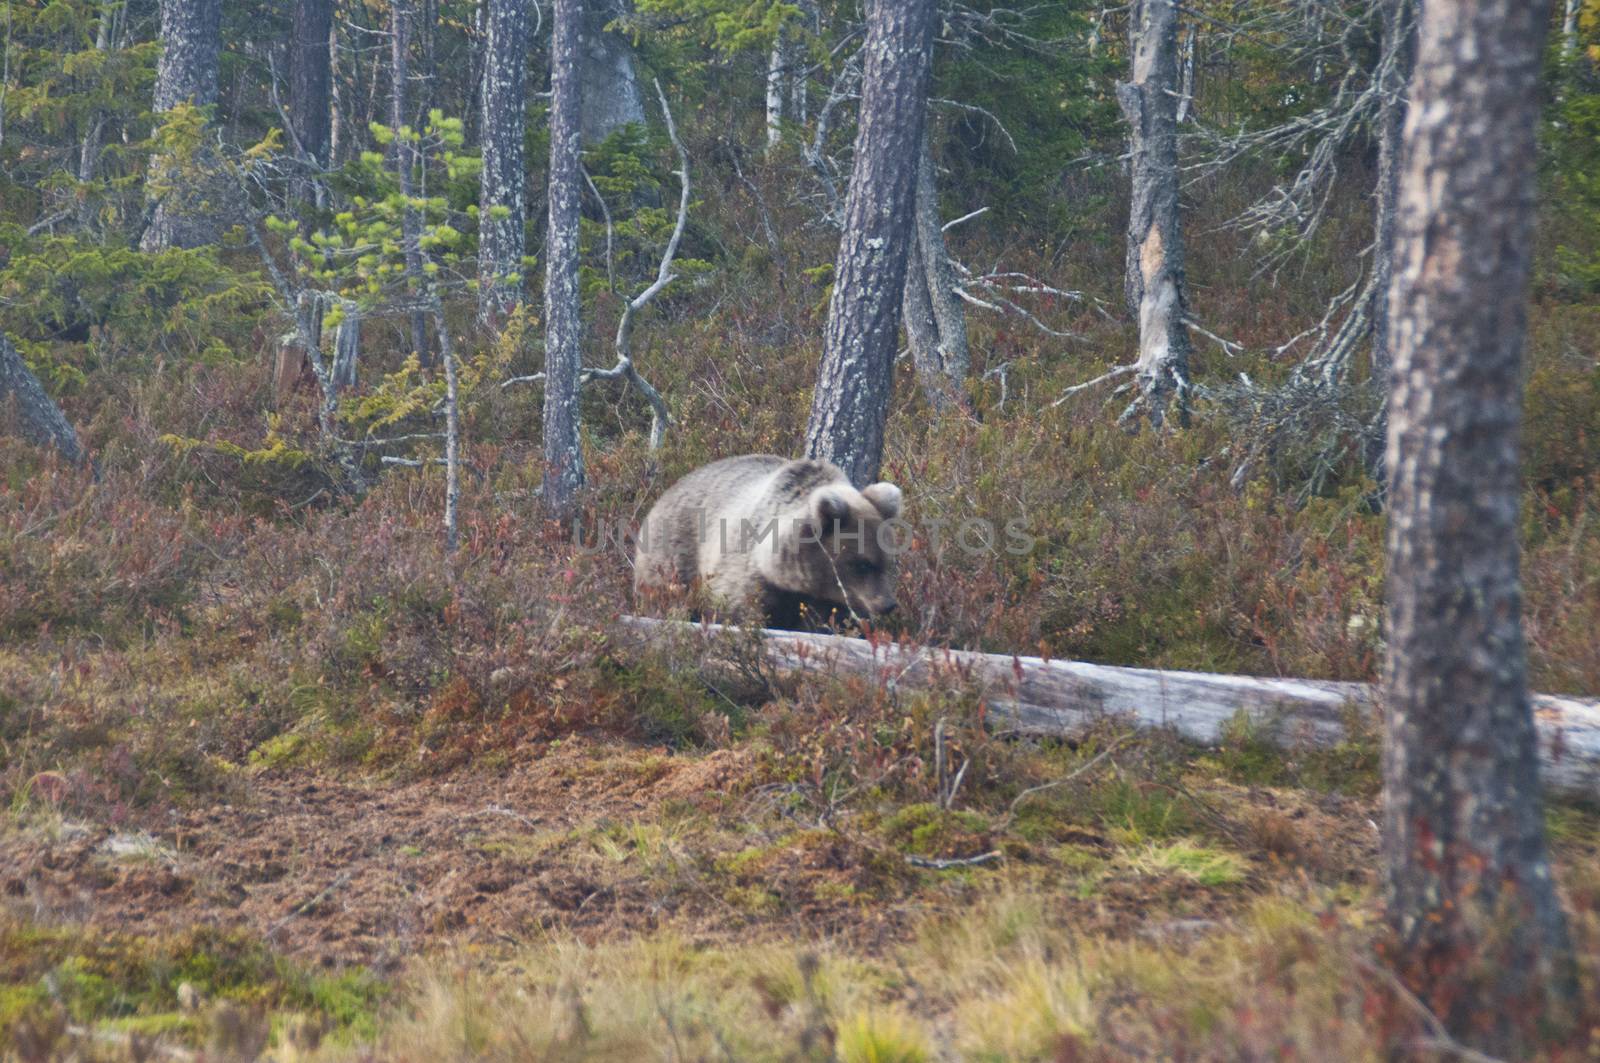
611	96
24	402
337	105
1153	280
311	77
1396	63
347	349
1479	932
405	162
563	453
191	45
105	39
500	239
851	403
936	324
777	64
1569	28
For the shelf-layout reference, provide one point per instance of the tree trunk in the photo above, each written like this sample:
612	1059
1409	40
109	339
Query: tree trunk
347	348
851	403
1396	62
337	105
936	324
1153	280
311	79
405	162
452	428
777	62
191	44
500	239
1399	57
89	151
1569	29
1480	935
611	97
24	404
799	61
563	453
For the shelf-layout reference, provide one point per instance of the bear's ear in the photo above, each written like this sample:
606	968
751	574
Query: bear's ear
886	496
828	504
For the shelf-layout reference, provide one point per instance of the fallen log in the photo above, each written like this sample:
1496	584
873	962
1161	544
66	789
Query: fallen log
1031	695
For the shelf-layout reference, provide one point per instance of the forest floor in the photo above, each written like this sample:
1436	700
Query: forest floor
591	896
593	838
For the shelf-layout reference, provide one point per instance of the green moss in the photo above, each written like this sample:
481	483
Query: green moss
1134	810
133	980
279	750
1254	754
928	830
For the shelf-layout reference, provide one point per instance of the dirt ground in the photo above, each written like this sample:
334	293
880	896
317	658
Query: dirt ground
338	872
365	873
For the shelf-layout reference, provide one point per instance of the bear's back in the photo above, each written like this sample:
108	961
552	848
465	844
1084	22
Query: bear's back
683	534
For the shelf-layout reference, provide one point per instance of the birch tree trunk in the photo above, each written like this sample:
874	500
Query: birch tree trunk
311	79
936	324
337	108
1480	935
191	44
34	414
611	96
1153	281
405	161
563	453
502	197
777	63
1569	29
851	403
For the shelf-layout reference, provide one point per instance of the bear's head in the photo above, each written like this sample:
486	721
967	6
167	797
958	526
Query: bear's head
839	551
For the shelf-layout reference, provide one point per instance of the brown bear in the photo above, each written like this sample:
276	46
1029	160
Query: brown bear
792	540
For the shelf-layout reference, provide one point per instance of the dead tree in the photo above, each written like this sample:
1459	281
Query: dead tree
850	406
191	45
1329	360
1480	935
936	324
563	356
347	348
502	198
625	369
660	418
1153	282
1067	699
25	404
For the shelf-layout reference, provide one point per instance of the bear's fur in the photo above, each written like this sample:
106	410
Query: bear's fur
793	540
